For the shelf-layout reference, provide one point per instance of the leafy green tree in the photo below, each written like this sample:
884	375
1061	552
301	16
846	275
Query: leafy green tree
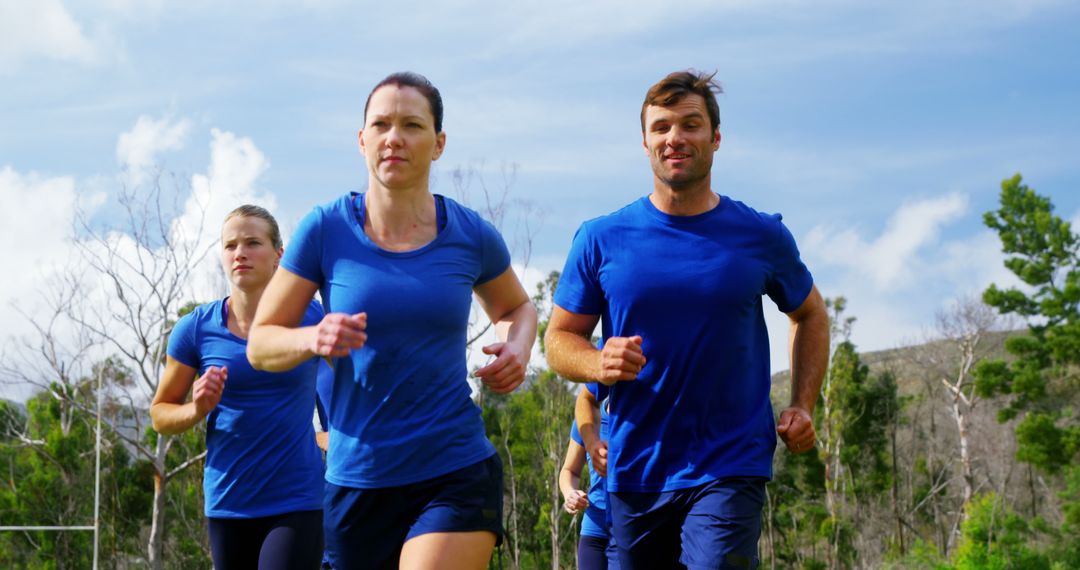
530	428
794	512
994	537
1042	379
1040	384
47	456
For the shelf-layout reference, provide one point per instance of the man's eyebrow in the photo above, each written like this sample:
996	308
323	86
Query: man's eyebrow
691	115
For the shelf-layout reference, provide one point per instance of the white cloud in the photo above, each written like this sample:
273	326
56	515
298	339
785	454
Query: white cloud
896	282
889	260
42	29
37	244
33	235
137	150
231	177
882	322
34	247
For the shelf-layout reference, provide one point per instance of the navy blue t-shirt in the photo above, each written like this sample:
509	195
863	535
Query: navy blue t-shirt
691	287
400	411
261	456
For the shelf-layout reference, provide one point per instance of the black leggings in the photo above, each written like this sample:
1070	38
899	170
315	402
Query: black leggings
278	542
592	553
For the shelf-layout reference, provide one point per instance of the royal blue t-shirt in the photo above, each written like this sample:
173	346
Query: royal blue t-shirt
401	410
691	287
594	523
261	456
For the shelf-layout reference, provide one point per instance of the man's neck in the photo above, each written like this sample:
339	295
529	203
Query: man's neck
684	202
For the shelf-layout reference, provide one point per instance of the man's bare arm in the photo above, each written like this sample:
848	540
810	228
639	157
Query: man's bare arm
808	345
572	355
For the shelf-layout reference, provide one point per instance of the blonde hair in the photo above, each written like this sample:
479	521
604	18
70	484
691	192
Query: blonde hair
253	211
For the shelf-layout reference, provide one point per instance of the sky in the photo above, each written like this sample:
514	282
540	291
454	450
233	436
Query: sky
881	131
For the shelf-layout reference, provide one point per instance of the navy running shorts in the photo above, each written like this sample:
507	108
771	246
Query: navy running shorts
366	528
715	525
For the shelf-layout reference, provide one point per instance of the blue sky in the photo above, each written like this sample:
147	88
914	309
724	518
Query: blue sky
881	132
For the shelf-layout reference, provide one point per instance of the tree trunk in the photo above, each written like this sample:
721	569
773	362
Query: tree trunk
770	536
896	495
155	547
515	550
965	453
556	504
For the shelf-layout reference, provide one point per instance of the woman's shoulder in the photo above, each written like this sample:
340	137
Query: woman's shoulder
192	324
199	314
467	218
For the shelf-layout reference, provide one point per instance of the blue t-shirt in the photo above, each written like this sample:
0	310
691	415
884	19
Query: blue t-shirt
261	456
401	410
594	523
692	287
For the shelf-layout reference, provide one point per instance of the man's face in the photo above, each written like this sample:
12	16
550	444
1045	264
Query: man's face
680	142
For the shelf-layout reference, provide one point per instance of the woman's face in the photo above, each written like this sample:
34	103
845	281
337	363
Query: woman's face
247	253
399	140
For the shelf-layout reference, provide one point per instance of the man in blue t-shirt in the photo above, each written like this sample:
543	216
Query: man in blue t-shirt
677	279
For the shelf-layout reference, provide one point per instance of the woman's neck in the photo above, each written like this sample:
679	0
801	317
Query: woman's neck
242	305
400	219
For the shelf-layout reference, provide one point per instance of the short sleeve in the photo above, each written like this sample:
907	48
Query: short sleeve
579	285
575	435
303	256
598	390
789	280
496	256
183	345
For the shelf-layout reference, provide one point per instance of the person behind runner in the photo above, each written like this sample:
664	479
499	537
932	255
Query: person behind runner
412	480
263	480
596	550
678	278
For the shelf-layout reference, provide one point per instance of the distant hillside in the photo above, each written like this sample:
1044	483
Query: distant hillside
914	366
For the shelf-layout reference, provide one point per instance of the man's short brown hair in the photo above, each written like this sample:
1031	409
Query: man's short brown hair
676	86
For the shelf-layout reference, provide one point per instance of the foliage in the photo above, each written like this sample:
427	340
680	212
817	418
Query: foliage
1040	383
868	406
994	537
1042	252
49	481
531	428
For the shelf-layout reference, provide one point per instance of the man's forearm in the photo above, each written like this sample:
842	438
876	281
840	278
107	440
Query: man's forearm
572	356
809	358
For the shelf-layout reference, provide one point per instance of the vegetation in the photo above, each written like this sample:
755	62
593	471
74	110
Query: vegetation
960	453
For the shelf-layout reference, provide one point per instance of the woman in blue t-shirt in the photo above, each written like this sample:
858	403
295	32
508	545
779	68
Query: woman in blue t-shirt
412	480
264	476
596	549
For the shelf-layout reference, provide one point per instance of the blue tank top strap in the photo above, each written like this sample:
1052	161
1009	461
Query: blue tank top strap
440	213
